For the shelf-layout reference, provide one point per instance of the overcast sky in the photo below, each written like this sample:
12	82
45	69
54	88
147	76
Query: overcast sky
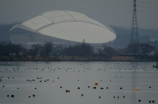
108	12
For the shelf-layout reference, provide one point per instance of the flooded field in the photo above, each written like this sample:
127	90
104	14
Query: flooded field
78	83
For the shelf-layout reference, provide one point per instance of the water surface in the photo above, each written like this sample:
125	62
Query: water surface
48	82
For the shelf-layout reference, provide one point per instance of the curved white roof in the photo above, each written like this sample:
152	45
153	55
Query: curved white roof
70	26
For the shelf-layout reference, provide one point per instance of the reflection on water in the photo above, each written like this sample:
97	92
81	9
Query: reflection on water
74	82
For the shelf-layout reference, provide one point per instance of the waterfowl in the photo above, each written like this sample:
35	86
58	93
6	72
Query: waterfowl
67	90
33	95
94	87
153	101
12	96
101	88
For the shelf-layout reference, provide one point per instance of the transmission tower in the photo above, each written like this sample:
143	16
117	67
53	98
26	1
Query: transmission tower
134	38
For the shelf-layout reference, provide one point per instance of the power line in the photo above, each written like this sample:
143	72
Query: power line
147	2
148	12
147	7
109	9
63	15
98	6
30	15
112	13
103	14
102	5
119	3
19	16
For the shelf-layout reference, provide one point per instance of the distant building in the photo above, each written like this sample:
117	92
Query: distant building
61	27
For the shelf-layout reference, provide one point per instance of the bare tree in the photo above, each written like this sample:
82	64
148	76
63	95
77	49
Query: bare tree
108	51
79	50
146	48
47	49
34	51
133	49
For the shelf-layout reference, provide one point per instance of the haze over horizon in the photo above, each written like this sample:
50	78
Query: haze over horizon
108	12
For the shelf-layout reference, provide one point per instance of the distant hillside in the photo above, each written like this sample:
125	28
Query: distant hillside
4	29
122	39
123	36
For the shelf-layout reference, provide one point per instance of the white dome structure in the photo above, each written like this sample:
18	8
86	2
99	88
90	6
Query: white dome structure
68	26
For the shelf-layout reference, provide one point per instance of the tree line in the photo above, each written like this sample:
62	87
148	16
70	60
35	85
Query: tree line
82	51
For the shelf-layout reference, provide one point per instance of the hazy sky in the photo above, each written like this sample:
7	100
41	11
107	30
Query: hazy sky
108	12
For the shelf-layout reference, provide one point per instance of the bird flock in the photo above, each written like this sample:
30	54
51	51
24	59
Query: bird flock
7	73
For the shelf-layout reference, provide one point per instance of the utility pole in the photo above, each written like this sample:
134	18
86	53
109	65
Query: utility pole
134	30
134	37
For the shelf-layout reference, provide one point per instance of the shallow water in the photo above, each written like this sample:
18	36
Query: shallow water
44	81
